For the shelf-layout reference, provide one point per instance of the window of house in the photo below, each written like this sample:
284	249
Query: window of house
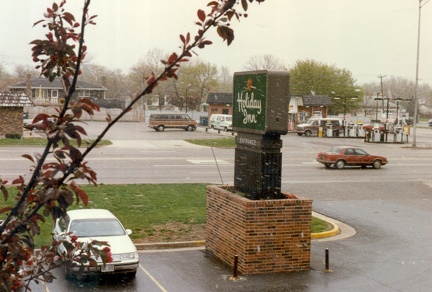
84	93
54	93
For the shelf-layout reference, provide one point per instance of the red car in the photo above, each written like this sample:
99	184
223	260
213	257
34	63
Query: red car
341	156
370	127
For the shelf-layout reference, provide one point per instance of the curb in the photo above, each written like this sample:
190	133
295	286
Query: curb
325	234
169	245
201	243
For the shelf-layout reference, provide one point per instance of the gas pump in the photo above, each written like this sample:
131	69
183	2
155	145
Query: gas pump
398	134
360	130
352	129
376	133
329	127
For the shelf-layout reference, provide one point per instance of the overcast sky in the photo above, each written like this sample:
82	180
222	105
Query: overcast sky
367	37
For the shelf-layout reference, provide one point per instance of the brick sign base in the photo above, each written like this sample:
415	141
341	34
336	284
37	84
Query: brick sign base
268	236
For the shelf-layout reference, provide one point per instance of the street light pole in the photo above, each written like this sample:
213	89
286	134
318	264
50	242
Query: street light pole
187	88
344	112
417	73
376	111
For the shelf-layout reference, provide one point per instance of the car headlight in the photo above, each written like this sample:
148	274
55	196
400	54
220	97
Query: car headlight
129	256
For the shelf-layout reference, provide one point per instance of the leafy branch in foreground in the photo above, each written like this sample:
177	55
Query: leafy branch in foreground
52	187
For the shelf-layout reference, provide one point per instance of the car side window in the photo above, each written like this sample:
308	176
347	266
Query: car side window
349	151
360	152
63	224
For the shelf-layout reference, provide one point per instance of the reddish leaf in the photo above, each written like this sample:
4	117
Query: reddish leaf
5	209
80	129
201	15
226	33
19	180
4	192
68	17
80	193
29	157
244	5
172	58
75	155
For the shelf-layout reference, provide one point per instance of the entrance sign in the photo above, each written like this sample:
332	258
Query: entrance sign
260	116
260	102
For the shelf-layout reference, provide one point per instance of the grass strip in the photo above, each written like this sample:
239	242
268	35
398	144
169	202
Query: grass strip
220	142
43	142
141	207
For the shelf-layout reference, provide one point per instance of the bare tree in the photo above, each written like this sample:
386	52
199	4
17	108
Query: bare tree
264	62
117	83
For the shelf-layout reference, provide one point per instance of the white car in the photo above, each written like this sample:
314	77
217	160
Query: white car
101	225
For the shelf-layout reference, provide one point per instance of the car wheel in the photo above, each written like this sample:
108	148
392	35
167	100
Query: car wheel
226	129
190	128
308	133
327	165
69	275
377	164
131	275
340	164
160	128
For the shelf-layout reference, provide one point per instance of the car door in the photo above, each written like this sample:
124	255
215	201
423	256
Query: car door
362	156
60	230
350	157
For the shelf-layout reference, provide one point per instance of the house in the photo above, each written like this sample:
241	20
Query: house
302	107
45	93
220	103
11	112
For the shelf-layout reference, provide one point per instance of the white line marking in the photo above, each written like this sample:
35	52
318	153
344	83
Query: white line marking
153	279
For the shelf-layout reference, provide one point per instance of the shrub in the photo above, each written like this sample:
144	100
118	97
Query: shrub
13	136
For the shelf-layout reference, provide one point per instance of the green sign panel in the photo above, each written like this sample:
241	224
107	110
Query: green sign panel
249	102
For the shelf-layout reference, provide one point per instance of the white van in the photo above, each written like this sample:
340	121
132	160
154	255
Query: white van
221	122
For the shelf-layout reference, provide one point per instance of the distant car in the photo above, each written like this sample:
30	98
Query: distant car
160	122
101	225
430	123
29	125
221	122
371	126
409	121
341	156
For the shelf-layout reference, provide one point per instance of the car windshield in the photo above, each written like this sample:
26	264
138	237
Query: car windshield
96	227
310	122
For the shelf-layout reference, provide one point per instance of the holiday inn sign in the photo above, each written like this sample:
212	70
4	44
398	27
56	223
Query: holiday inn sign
260	102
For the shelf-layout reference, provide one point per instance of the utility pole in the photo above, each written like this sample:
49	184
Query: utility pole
414	144
382	89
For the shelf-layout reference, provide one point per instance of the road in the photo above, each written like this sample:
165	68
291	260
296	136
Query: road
141	155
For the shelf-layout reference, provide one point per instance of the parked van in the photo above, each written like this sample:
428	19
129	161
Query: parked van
311	127
221	122
160	122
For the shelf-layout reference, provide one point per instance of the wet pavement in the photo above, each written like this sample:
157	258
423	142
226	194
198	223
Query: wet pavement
390	249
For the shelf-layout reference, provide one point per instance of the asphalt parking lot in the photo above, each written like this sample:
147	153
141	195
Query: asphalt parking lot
390	250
